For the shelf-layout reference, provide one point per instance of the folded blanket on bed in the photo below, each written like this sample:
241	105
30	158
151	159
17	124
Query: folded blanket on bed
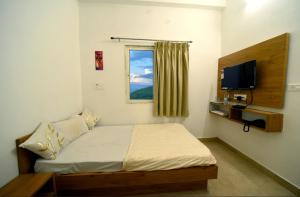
164	147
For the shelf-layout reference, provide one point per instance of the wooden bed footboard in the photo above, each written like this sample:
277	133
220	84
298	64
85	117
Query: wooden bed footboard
137	181
123	182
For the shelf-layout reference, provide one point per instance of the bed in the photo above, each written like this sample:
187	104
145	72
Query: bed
127	160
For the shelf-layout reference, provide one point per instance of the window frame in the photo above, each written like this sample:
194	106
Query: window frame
127	68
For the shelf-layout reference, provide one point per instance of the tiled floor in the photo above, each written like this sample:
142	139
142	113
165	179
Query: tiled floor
236	177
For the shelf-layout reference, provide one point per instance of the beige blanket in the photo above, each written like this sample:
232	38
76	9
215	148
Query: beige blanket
164	147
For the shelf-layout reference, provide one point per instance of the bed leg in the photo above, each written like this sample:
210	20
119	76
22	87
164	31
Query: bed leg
203	184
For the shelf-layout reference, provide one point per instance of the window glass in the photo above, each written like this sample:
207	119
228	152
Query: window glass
141	74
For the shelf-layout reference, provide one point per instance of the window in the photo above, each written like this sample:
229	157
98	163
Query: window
139	62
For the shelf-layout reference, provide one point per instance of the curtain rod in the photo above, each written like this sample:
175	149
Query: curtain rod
144	39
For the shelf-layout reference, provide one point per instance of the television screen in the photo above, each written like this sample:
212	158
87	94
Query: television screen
242	76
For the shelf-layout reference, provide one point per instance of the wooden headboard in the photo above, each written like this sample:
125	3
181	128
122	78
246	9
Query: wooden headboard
26	158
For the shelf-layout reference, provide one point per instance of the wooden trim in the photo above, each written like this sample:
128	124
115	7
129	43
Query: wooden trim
274	176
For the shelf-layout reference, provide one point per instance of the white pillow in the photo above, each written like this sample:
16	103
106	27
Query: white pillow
71	128
45	141
90	119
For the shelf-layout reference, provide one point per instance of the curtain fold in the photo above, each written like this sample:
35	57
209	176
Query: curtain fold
171	79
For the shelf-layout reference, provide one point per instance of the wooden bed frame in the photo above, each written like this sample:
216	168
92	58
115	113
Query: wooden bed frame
123	182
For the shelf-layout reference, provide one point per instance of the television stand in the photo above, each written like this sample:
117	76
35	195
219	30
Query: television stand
273	120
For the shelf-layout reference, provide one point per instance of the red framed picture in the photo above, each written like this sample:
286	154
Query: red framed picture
99	60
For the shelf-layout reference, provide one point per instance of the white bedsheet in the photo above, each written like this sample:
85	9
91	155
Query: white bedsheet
164	147
101	150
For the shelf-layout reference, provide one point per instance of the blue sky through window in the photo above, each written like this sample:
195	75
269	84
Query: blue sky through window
141	72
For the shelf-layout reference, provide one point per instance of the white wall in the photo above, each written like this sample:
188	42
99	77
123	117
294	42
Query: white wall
39	72
247	24
181	3
99	21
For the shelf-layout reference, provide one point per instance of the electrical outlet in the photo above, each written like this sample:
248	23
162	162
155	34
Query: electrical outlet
244	96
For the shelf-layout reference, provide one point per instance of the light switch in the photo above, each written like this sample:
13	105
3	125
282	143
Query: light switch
99	86
294	87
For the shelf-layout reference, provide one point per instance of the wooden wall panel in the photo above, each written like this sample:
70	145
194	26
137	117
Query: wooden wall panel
271	57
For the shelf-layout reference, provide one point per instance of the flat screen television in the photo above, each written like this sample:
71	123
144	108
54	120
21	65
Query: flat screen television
241	76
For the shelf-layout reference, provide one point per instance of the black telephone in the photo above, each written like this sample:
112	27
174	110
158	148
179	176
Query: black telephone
258	123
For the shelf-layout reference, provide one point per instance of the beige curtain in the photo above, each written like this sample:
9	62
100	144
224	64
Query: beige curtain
171	79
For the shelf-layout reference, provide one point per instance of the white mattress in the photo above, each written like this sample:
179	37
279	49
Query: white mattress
165	147
101	150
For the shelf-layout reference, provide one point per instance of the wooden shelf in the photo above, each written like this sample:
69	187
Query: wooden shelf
273	121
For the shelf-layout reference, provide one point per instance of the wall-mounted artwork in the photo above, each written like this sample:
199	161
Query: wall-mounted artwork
99	60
